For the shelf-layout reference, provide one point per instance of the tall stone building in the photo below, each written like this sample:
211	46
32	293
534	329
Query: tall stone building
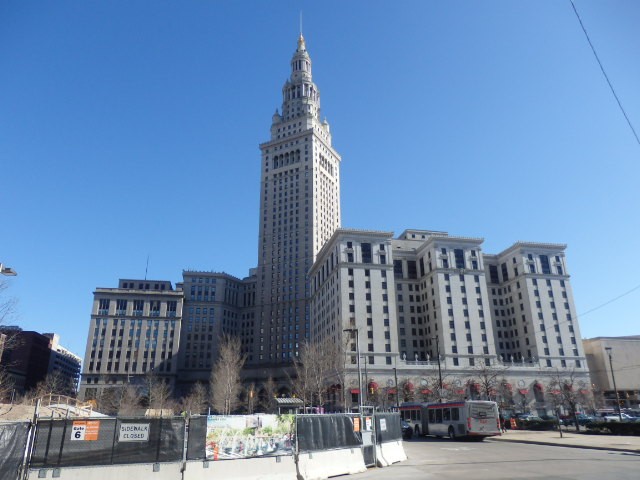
299	211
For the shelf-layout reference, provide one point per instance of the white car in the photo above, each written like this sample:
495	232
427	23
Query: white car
616	418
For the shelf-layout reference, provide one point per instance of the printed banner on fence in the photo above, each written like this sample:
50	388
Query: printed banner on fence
245	436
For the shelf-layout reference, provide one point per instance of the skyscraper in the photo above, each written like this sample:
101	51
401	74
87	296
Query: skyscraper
299	211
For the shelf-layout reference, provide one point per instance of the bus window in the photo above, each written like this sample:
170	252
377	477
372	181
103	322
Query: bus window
446	414
432	416
439	415
455	414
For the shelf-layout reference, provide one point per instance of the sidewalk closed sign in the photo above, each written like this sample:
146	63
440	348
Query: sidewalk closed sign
85	430
134	432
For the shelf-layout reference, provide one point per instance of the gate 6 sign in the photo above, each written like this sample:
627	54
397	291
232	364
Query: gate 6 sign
134	432
85	430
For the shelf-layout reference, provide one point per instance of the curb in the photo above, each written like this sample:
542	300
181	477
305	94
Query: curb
552	444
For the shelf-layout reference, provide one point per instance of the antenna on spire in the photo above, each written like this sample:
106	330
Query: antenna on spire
147	268
300	22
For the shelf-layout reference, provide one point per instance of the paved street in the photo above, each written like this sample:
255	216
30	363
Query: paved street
445	459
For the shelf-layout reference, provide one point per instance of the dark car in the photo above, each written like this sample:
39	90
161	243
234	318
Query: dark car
407	431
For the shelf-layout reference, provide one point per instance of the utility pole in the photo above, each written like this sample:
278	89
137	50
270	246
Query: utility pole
613	377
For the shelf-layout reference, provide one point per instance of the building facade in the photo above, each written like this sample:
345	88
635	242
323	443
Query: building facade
427	303
212	308
29	357
624	365
299	211
134	330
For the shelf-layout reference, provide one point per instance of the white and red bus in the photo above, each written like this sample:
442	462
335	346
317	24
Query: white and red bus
471	418
411	412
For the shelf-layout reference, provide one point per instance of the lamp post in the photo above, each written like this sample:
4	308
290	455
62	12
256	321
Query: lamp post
395	375
437	339
7	271
613	377
355	330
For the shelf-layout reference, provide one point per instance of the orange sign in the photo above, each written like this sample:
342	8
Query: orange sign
85	430
356	424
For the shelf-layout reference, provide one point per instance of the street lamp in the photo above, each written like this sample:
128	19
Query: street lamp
395	375
613	377
7	271
355	330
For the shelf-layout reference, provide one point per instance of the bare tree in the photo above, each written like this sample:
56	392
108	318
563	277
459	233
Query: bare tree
251	398
196	402
268	403
320	365
52	384
7	304
225	381
129	400
302	381
564	390
488	379
6	385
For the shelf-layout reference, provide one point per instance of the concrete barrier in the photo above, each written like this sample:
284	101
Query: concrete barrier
389	453
329	463
266	468
165	471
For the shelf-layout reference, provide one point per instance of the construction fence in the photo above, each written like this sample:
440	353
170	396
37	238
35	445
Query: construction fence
57	444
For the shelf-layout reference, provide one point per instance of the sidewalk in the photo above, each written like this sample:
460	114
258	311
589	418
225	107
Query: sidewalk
572	439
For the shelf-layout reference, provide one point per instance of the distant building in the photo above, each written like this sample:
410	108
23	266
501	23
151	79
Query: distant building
30	356
134	330
212	308
64	363
625	359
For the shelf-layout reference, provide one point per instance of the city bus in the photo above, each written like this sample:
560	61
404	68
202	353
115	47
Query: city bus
475	419
411	412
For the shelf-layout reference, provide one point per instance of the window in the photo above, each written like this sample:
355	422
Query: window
493	273
397	268
505	273
366	252
544	262
459	256
412	269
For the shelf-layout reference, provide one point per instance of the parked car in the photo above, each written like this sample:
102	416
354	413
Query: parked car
616	418
583	419
407	431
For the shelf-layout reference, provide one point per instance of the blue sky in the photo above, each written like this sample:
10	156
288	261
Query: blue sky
131	128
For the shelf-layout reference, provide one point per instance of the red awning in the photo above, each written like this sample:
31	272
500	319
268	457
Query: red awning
584	392
391	391
555	392
523	391
459	391
373	386
355	390
426	391
539	386
409	386
508	386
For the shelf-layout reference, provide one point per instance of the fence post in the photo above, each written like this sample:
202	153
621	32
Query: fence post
64	433
159	439
113	440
